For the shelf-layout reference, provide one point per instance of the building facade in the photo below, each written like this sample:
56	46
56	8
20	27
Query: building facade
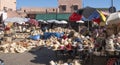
35	10
68	6
8	5
64	6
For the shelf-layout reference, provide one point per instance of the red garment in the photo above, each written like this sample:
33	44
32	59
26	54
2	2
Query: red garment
97	45
7	28
34	22
97	20
75	17
64	37
68	47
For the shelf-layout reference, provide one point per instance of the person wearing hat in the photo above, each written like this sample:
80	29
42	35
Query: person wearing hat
110	46
68	47
80	50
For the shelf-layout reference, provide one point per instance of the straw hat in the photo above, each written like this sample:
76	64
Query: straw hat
13	44
56	46
118	44
112	36
4	45
5	51
62	41
65	64
82	36
11	50
20	49
76	34
87	37
76	62
57	42
66	42
47	31
118	35
118	39
5	48
69	40
110	41
110	45
52	63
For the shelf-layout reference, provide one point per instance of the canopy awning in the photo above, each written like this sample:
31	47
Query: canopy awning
49	16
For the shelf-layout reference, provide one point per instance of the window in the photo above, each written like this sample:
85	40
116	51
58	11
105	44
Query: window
10	9
24	10
53	9
63	7
5	8
75	7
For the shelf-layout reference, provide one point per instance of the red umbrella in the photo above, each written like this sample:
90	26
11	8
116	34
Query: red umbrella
75	17
33	22
86	14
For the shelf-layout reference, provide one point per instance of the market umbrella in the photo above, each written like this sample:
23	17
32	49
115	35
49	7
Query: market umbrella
16	19
80	21
63	22
86	12
42	21
52	21
113	18
75	17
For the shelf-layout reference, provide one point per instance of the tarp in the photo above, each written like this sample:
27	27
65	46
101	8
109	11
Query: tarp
58	35
16	19
35	37
113	18
47	35
57	21
49	16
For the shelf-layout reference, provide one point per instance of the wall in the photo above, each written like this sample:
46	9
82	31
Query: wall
9	4
69	4
38	10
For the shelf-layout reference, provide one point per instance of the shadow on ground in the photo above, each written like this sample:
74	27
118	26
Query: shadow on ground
45	55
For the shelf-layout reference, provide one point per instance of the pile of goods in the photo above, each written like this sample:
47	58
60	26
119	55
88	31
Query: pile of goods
19	47
59	39
74	62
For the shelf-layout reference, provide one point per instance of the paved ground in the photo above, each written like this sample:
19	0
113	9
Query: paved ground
41	57
36	57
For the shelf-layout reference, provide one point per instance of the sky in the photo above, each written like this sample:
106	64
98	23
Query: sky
54	3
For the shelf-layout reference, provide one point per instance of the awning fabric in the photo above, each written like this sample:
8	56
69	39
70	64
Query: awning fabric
49	16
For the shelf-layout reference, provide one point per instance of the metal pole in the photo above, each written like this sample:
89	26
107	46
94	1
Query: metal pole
112	3
56	14
88	25
83	3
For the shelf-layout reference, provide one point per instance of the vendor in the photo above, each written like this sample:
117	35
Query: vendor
7	31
